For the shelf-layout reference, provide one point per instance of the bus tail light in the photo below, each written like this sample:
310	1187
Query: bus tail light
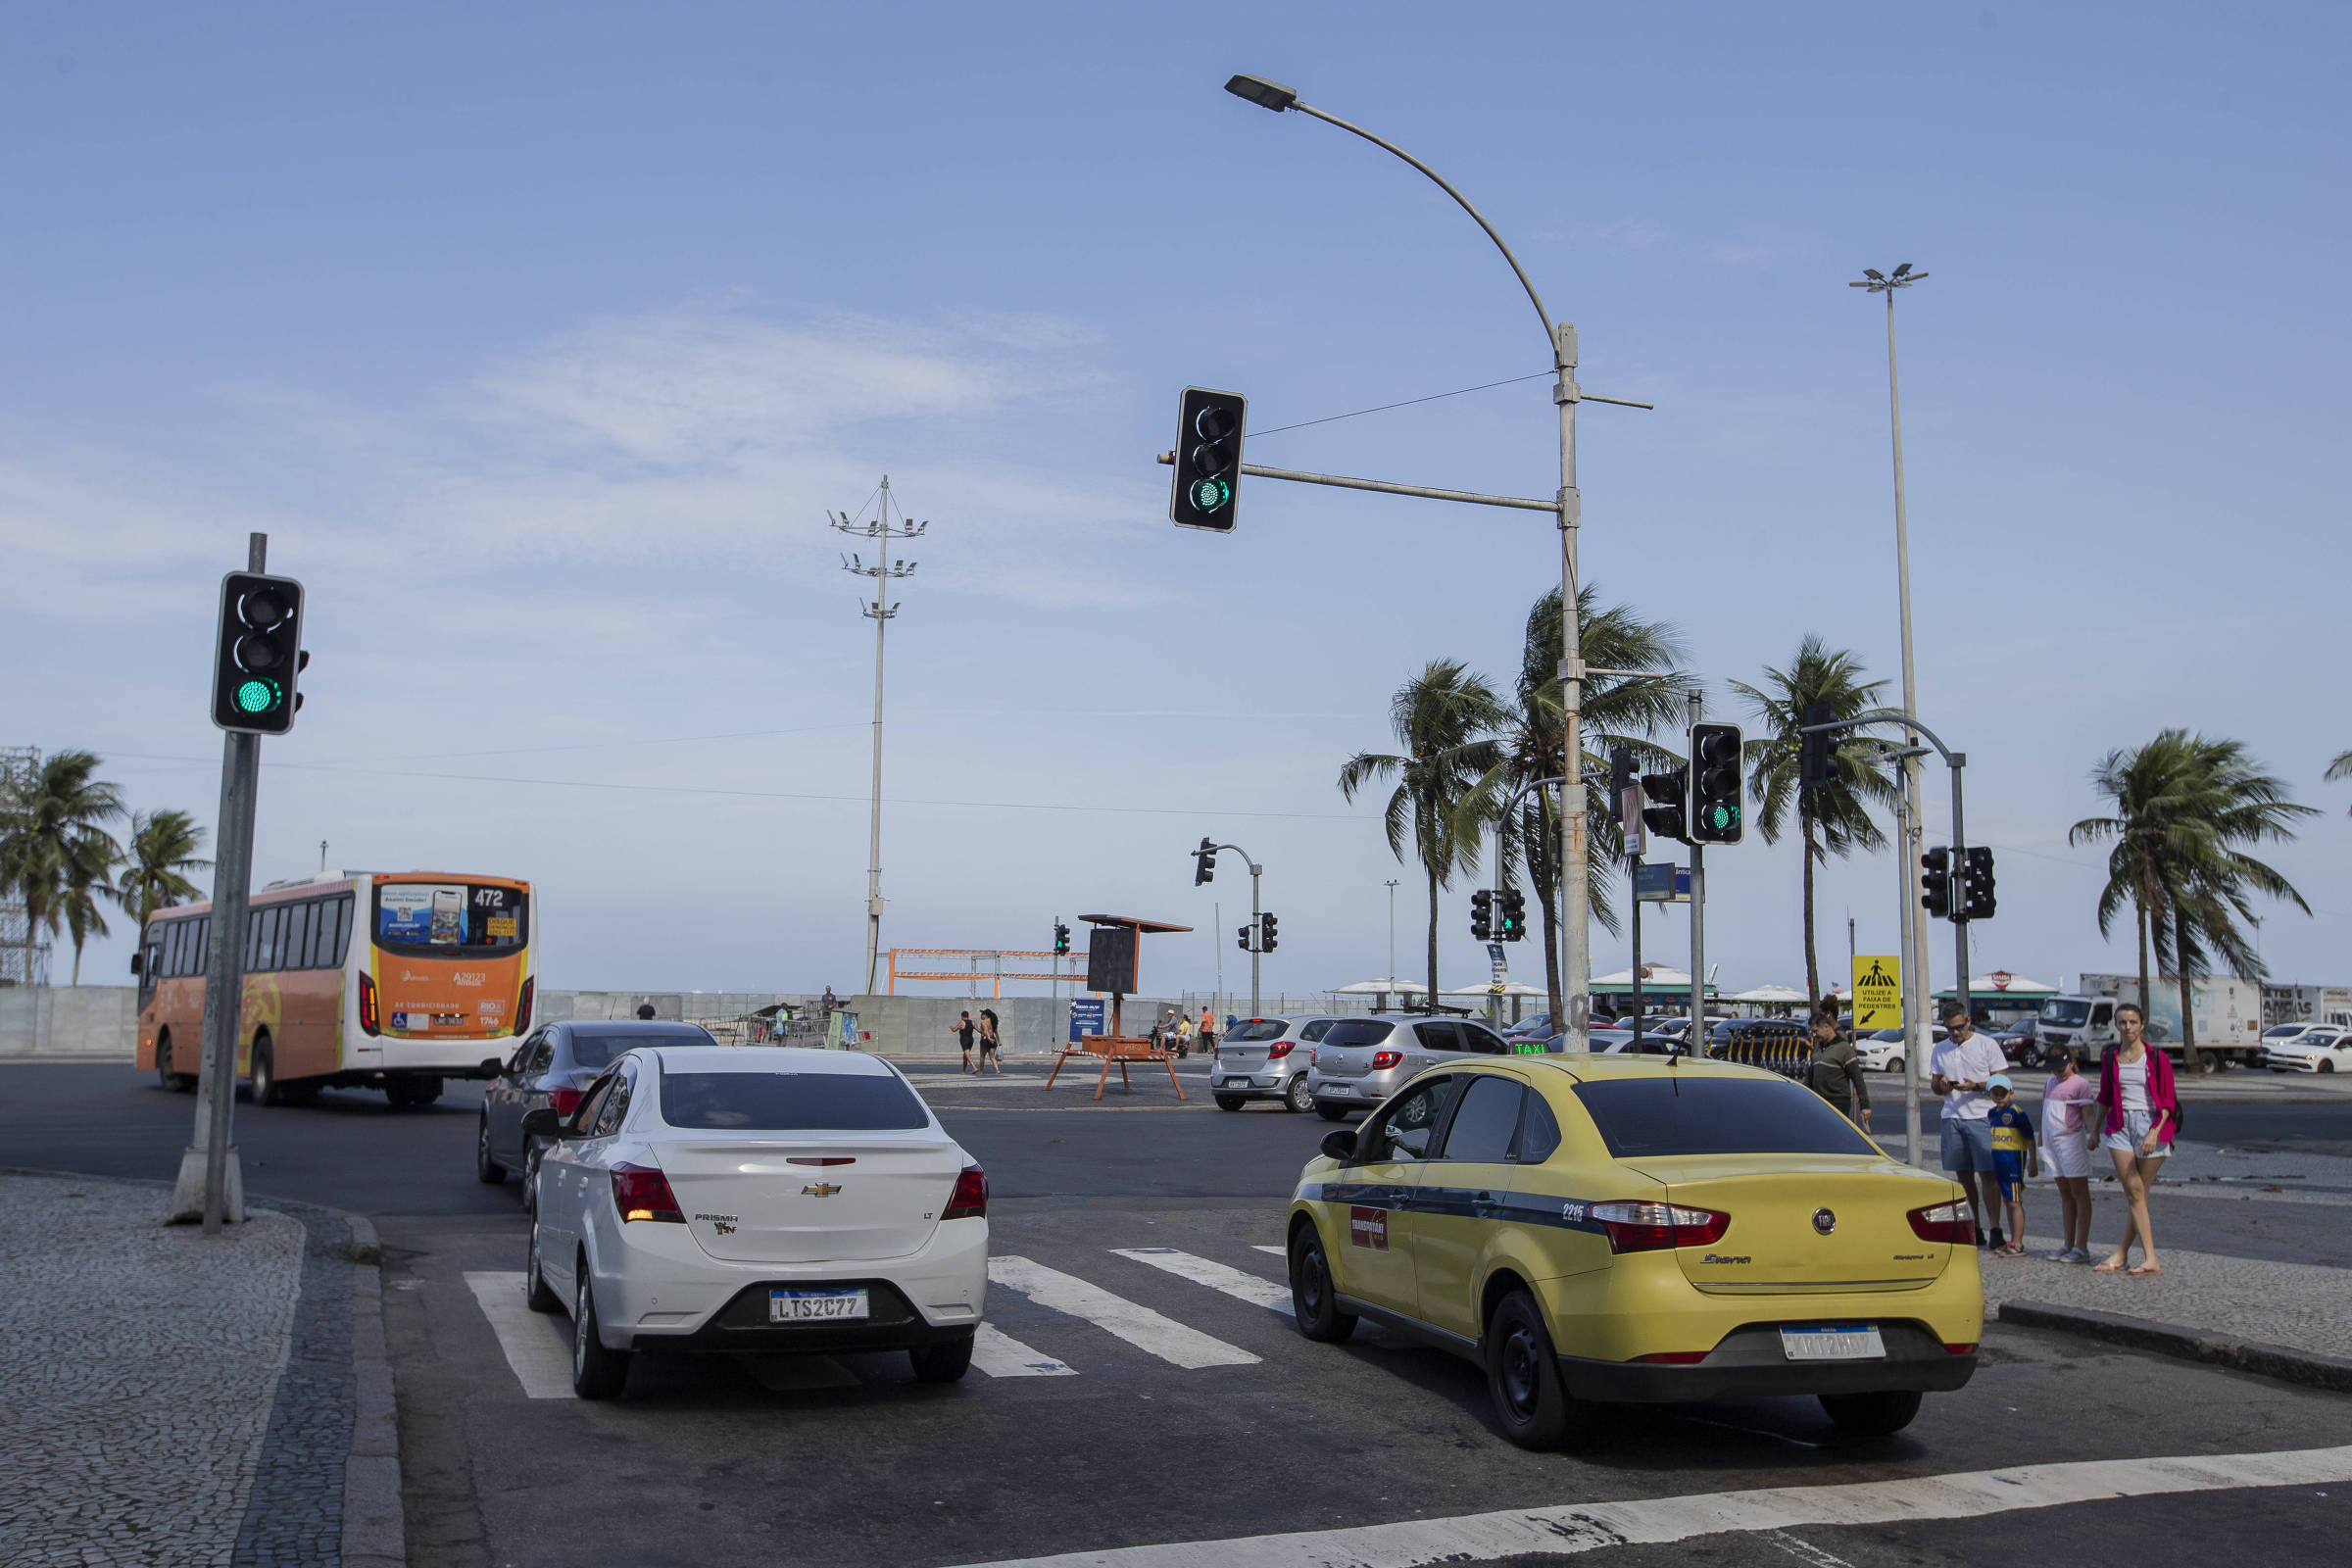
642	1191
1944	1222
1279	1050
522	1009
970	1199
1382	1061
1656	1227
368	1021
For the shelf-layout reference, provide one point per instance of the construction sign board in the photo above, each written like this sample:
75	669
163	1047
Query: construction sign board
1878	992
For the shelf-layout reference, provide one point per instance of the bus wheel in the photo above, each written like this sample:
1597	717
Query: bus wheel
178	1083
407	1093
264	1074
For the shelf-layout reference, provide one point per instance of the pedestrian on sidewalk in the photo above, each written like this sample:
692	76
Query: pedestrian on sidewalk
2013	1157
1958	1070
964	1037
1209	1030
989	1041
2143	1116
2067	1102
1836	1071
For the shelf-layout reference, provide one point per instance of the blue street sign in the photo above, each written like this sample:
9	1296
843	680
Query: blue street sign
1663	882
1086	1017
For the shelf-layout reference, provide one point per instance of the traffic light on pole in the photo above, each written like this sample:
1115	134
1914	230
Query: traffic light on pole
1936	883
1976	870
1241	938
1663	816
1265	932
1204	863
1514	916
1715	814
1481	914
1061	939
1209	458
257	654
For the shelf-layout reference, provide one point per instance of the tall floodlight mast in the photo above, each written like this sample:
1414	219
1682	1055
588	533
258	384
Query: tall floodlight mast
879	528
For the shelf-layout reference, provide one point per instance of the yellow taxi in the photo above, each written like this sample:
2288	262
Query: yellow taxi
1639	1230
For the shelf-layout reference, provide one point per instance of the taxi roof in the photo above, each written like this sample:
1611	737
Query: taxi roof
1609	1065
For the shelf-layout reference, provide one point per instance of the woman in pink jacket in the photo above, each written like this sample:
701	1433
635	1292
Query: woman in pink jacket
2143	1113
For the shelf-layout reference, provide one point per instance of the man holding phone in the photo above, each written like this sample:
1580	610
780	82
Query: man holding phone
1959	1070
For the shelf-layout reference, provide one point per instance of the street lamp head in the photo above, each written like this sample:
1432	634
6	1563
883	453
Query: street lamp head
1263	94
1901	271
1874	275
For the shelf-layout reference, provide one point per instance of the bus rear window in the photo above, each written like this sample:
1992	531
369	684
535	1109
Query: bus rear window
428	917
1646	1118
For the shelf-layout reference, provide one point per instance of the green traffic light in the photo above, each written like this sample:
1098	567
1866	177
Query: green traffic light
1211	494
1720	817
257	695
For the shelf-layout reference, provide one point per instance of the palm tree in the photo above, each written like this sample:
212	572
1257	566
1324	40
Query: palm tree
1832	819
2184	807
1443	719
1617	711
2341	767
163	844
52	852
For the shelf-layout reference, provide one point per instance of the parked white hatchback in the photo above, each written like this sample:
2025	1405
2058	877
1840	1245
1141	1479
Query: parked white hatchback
715	1199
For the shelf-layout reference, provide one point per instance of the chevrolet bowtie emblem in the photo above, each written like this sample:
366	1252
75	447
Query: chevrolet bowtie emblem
820	1190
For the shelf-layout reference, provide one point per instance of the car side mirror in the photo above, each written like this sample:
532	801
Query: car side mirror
543	1122
1339	1144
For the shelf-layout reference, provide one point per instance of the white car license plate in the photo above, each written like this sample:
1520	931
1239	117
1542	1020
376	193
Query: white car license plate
803	1307
1836	1342
1237	1083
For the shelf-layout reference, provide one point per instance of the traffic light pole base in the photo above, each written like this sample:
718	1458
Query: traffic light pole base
188	1192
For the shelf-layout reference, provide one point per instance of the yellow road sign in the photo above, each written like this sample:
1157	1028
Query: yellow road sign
1878	992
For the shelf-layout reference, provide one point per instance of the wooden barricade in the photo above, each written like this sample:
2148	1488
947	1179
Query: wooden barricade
1109	1048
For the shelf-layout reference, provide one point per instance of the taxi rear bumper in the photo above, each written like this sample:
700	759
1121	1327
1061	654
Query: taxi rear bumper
1750	1363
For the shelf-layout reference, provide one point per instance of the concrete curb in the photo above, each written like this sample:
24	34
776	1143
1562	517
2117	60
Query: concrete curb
2309	1368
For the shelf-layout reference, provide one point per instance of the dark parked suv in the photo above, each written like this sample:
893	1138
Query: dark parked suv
554	1063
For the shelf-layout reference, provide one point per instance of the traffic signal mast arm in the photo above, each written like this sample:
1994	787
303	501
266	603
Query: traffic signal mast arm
1205	857
1255	471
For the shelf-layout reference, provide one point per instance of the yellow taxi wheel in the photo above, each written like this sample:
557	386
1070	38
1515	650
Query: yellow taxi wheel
1872	1415
1523	1377
1314	1299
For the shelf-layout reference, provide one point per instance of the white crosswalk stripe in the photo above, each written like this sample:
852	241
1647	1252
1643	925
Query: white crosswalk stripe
1001	1356
1216	1276
1148	1330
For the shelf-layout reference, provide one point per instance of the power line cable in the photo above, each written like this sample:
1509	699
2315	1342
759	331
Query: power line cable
1406	404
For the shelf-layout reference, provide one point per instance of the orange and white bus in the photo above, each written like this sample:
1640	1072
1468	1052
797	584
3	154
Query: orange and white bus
382	981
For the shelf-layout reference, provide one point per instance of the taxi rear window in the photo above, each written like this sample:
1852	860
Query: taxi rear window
1646	1118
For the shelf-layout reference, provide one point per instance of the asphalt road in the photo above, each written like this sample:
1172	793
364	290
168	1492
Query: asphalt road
849	1462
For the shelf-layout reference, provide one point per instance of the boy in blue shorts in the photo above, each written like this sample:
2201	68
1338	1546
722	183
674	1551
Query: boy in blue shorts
2014	1157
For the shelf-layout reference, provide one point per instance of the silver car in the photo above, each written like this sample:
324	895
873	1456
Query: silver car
1361	1062
1266	1058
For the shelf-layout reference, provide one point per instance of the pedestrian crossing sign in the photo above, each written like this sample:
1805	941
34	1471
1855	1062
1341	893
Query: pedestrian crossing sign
1878	992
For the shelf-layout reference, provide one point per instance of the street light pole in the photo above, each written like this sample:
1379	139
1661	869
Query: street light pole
1258	932
1576	969
1393	928
880	615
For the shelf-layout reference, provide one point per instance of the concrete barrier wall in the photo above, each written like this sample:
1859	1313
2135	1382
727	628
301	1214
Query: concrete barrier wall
69	1023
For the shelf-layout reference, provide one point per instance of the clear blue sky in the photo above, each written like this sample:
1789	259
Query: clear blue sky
540	339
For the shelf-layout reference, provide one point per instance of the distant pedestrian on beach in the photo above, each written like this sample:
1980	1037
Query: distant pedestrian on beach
989	1041
964	1037
2067	1103
2142	1115
645	1010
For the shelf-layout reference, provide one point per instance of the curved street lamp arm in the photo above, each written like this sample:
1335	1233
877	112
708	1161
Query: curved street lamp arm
1543	315
1889	716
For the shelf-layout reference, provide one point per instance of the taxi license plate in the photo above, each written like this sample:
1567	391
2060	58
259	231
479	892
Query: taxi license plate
807	1307
1835	1341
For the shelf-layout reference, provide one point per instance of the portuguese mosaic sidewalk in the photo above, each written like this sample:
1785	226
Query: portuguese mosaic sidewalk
173	1399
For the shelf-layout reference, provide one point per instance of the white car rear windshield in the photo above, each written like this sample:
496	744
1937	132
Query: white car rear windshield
1358	1032
789	1101
1645	1117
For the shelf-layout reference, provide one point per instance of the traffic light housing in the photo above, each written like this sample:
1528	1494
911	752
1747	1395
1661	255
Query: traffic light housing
1265	932
1663	818
1715	816
1514	916
1976	870
1482	914
257	654
1241	938
1204	863
1936	886
1061	939
1813	749
1209	458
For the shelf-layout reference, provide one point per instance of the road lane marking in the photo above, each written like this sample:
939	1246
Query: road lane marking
1657	1521
1233	1282
1001	1356
1263	1247
537	1348
1139	1326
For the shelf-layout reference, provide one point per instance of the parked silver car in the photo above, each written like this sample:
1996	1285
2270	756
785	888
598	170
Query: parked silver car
1266	1058
1360	1062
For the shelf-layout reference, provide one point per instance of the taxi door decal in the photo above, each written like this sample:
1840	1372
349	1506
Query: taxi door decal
1368	1227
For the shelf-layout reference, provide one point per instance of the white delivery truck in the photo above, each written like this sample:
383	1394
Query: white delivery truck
2227	1012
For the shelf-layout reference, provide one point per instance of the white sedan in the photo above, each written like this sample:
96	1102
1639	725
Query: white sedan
2313	1047
1882	1049
716	1199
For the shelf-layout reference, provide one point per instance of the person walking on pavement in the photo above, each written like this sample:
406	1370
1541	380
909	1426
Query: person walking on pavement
1836	1071
989	1041
2142	1115
1959	1070
2067	1103
964	1037
1209	1030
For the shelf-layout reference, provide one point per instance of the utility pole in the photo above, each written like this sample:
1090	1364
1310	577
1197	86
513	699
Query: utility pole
1698	917
879	529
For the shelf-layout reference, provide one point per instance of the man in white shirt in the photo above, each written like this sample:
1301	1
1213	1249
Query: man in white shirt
1959	1069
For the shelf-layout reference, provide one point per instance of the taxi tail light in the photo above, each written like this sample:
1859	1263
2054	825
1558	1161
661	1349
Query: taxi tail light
1970	1349
522	1009
1279	1050
1944	1222
1382	1061
642	1191
563	1102
1658	1227
970	1199
368	1019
